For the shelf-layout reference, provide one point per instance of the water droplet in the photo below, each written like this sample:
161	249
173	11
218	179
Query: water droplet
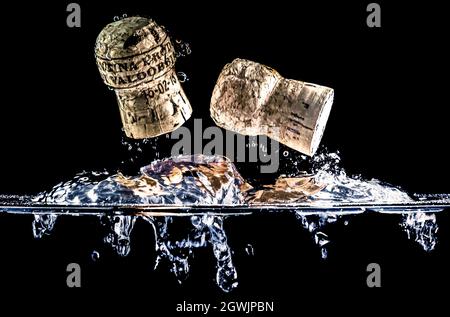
124	16
324	253
286	153
182	77
321	239
249	250
95	256
116	18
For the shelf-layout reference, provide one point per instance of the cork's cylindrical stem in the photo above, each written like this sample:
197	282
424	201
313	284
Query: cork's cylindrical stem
153	108
251	99
299	112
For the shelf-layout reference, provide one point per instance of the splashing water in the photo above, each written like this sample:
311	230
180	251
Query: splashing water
183	180
422	228
119	235
135	149
345	189
43	225
342	188
206	230
199	179
182	48
175	251
314	224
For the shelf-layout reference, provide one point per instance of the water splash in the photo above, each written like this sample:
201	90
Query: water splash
422	228
315	224
182	48
176	252
198	179
68	192
207	230
43	225
119	234
138	149
226	276
343	188
182	180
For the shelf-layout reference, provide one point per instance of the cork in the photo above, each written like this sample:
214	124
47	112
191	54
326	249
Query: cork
136	59
252	99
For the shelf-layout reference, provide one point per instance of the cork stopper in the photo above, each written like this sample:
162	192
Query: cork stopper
253	99
136	58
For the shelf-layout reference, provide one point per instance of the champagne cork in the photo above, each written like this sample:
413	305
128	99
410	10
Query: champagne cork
136	59
253	99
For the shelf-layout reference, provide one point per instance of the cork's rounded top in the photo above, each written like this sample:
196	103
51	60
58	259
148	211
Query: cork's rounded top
128	37
240	95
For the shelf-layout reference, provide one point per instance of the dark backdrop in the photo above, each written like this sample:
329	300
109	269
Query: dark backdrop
389	121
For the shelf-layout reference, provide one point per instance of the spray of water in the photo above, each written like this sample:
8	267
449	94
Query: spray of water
422	228
341	187
205	231
315	224
199	179
43	225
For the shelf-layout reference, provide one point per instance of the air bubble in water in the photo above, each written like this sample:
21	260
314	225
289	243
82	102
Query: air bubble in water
95	256
182	77
182	48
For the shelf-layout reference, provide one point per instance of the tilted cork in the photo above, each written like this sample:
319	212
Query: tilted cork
252	99
136	58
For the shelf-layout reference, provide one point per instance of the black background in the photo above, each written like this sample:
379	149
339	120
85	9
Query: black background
389	121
